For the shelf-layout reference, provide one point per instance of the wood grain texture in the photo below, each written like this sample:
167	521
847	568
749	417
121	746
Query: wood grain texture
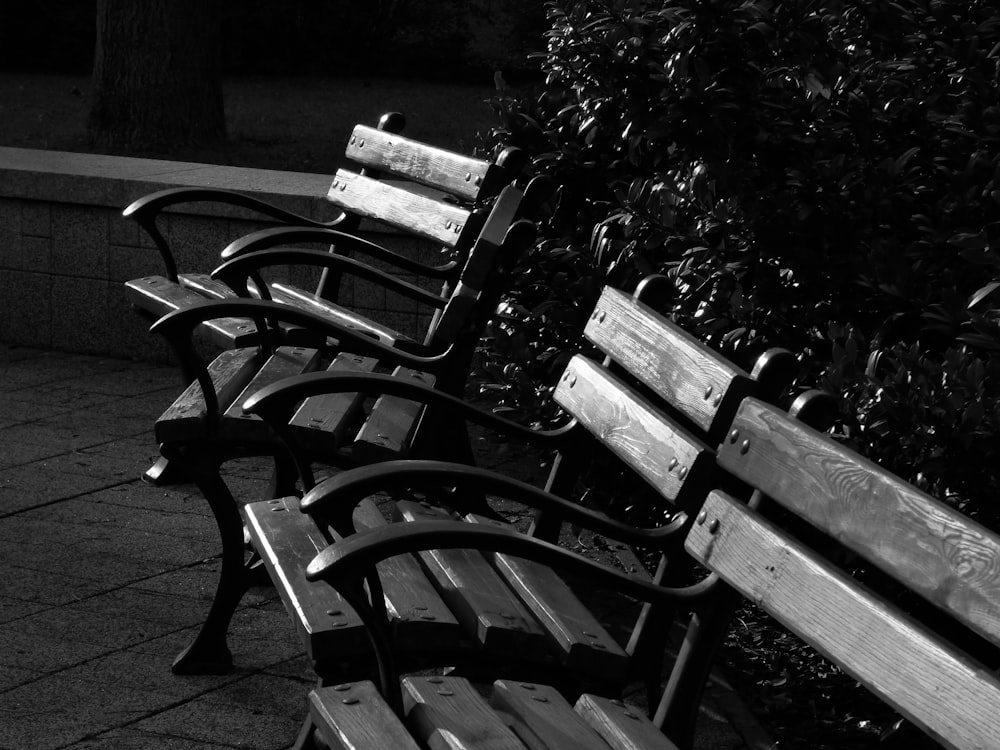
417	214
490	612
448	713
324	423
287	540
954	699
622	727
391	423
158	296
664	453
585	645
451	172
542	718
679	368
939	553
290	295
186	418
286	362
206	286
353	716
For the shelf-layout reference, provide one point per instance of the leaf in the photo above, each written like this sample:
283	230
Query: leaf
982	294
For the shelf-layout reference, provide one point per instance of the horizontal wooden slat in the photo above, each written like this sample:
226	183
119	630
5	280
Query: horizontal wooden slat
206	286
585	645
391	423
929	681
678	367
542	718
448	713
354	716
622	727
299	298
449	171
186	418
417	214
939	553
661	451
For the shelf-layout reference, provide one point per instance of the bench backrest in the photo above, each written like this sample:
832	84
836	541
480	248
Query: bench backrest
925	661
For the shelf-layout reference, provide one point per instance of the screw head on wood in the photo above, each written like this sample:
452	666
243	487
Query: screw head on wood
714	526
708	392
744	447
702	517
734	436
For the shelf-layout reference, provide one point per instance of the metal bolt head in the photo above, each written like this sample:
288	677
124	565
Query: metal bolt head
744	447
349	701
714	526
708	392
734	436
702	517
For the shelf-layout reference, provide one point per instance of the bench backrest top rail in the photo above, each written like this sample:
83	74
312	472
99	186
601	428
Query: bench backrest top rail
951	561
462	176
927	679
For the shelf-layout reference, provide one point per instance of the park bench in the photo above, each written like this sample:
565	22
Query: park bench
205	427
429	196
649	416
895	588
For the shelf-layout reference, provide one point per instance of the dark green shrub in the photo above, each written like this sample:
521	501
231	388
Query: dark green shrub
823	176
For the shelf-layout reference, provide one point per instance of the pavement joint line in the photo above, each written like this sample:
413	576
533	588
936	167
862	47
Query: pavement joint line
64	499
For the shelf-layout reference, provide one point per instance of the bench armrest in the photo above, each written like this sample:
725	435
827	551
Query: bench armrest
240	270
334	499
146	209
342	242
178	328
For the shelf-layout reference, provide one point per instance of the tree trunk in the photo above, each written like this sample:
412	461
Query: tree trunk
157	80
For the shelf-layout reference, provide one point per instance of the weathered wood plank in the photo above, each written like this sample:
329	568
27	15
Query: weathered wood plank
543	719
284	363
448	713
185	419
448	171
391	423
622	727
664	453
475	593
927	680
422	215
951	561
206	286
353	716
678	367
291	295
585	645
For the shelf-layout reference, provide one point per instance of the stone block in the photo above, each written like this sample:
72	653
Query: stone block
36	219
35	254
25	308
10	233
80	241
196	241
80	314
131	262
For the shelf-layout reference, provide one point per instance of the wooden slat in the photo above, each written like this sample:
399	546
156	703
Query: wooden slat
418	214
927	680
287	541
290	295
939	553
665	454
391	424
451	172
682	370
286	362
323	423
206	286
185	419
486	608
447	713
353	716
543	719
575	633
622	727
158	296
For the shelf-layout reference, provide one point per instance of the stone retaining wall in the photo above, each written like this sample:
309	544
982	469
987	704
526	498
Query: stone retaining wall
65	248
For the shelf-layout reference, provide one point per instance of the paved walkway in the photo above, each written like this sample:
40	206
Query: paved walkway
105	578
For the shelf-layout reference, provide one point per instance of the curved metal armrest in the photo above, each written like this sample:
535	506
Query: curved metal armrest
239	271
178	327
276	403
340	493
146	209
344	241
346	560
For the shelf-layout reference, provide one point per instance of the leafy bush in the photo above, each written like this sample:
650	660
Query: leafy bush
822	175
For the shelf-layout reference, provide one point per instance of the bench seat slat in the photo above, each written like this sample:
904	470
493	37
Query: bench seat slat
353	716
422	215
543	718
451	172
658	449
324	423
478	597
448	713
665	357
622	727
939	553
937	687
290	295
391	424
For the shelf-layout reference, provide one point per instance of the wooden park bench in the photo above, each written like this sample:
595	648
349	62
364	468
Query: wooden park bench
429	196
650	415
895	588
206	427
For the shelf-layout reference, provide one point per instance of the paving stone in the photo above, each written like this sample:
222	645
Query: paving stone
130	739
39	586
